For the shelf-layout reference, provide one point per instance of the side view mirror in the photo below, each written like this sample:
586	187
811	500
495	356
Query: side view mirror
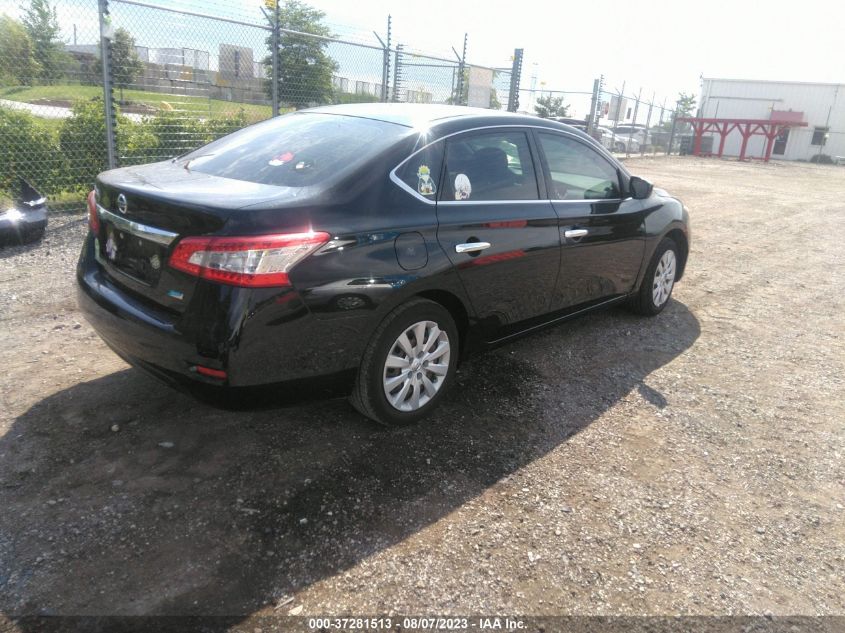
640	188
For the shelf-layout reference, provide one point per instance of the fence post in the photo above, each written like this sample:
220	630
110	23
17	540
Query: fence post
591	122
647	124
672	133
106	33
275	53
397	72
633	121
459	97
385	62
516	75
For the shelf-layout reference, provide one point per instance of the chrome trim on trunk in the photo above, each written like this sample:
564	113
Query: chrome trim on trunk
137	229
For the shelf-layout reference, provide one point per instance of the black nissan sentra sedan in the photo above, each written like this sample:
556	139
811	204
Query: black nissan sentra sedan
378	242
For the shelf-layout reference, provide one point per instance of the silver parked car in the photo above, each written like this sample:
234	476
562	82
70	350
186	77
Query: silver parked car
616	142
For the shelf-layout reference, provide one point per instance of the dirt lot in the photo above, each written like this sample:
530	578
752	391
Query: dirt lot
688	464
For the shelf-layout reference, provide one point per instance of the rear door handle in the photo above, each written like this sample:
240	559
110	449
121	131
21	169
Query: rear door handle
472	247
574	234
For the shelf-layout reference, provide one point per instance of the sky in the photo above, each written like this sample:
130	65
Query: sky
661	47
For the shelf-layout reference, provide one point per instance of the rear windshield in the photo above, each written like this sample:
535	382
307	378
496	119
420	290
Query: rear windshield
295	150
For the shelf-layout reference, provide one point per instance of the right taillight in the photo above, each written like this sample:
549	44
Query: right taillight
93	216
257	261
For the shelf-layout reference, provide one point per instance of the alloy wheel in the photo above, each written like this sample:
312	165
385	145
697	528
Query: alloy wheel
416	366
664	278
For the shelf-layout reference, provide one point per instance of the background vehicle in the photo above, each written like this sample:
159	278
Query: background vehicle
636	131
23	214
616	142
379	243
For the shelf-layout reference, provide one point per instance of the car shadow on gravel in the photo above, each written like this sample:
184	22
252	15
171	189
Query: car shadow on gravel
121	496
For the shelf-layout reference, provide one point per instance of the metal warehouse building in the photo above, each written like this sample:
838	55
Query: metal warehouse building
821	106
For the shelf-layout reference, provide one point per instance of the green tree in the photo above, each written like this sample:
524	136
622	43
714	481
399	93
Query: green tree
28	149
460	94
305	69
684	107
18	66
495	104
82	138
685	104
550	107
126	65
42	25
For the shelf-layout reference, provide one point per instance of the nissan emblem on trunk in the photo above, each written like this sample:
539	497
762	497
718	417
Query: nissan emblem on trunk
121	203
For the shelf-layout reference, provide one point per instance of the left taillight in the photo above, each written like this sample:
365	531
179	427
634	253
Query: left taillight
258	261
93	216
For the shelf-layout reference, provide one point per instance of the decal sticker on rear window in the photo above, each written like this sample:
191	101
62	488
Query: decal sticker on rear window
463	187
281	159
425	185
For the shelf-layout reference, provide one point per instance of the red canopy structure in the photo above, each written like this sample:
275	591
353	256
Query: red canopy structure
770	128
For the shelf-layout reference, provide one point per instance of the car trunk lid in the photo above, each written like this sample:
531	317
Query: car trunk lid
144	211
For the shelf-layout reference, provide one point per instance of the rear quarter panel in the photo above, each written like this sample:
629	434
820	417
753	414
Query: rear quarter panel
343	291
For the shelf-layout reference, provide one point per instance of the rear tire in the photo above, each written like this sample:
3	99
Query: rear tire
408	365
659	280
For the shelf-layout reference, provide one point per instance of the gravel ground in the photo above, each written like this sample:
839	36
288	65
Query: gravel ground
688	464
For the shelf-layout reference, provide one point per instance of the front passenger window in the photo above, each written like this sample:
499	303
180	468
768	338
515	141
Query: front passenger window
577	171
494	166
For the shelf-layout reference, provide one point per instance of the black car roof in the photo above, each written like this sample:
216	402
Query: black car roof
411	115
446	118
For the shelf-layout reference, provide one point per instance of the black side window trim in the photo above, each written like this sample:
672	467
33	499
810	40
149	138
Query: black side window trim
539	181
547	174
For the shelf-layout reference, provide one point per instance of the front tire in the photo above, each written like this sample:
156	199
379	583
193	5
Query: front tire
659	281
408	365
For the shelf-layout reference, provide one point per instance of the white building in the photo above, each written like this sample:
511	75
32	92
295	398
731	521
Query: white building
821	106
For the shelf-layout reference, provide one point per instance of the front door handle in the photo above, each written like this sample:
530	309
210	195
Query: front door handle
472	247
574	234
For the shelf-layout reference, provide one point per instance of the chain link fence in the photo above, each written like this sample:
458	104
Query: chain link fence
626	123
173	79
637	123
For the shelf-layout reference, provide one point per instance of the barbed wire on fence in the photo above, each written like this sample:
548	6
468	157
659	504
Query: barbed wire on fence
176	77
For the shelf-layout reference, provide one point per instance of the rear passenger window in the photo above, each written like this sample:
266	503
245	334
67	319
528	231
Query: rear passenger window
422	171
578	172
489	166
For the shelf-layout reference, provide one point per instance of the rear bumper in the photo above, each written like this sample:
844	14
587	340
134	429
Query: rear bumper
257	336
134	332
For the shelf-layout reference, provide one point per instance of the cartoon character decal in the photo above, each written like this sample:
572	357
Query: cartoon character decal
111	246
425	185
463	187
